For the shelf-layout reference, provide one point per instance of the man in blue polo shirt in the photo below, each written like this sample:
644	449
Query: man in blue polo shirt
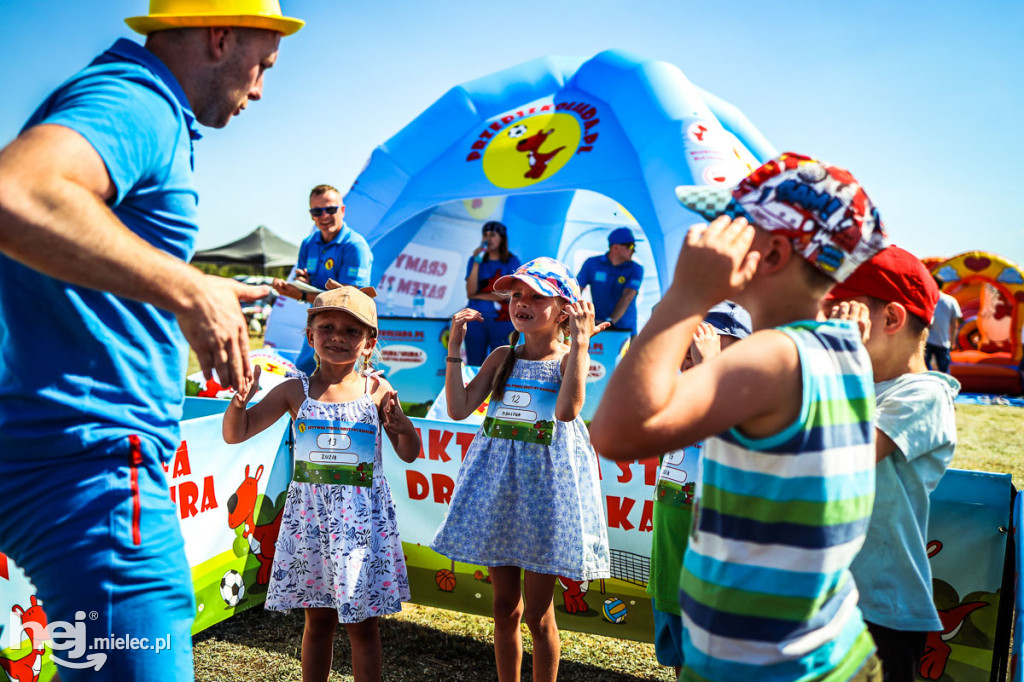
97	223
614	280
334	251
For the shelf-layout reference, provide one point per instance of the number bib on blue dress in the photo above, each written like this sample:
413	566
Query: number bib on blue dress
526	412
334	452
677	477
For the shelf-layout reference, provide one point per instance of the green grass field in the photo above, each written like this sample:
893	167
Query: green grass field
423	644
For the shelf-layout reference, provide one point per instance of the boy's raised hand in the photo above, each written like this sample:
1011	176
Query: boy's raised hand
716	261
854	311
248	388
457	334
581	322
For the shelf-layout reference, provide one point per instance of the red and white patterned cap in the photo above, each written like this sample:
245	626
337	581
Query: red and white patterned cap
822	209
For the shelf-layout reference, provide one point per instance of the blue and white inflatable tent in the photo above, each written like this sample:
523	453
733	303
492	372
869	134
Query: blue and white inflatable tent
561	150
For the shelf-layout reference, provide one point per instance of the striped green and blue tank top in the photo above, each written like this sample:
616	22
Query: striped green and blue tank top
766	592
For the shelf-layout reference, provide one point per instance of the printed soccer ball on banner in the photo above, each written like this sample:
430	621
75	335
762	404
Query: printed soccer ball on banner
232	589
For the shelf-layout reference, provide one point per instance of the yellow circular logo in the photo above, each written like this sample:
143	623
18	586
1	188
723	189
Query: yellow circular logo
302	427
531	150
329	265
481	209
622	280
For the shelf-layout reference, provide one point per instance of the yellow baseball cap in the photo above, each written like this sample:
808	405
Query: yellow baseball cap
168	14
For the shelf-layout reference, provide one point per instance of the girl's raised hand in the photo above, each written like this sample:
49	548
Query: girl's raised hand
248	389
706	343
581	322
457	334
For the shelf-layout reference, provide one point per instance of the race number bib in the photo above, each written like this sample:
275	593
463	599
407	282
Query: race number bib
334	452
526	412
677	478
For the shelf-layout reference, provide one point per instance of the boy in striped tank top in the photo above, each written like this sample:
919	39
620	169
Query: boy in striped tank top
787	478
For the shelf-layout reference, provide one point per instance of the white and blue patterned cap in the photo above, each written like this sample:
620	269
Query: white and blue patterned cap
546	276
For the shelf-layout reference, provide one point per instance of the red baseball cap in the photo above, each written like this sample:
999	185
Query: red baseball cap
893	275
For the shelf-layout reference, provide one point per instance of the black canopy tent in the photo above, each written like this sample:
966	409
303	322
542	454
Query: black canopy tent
261	249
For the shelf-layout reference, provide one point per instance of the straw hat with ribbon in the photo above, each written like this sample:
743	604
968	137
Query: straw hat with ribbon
168	14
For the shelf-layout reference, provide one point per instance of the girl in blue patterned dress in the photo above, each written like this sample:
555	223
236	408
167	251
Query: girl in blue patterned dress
338	555
528	494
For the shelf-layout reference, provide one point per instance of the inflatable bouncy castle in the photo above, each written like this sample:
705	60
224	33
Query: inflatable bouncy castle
988	351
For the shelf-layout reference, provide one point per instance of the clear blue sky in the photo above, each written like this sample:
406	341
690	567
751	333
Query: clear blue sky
922	101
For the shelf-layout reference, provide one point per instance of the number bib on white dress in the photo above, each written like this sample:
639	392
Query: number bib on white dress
526	412
677	477
334	452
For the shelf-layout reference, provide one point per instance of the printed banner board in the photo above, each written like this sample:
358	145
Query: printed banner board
231	498
413	352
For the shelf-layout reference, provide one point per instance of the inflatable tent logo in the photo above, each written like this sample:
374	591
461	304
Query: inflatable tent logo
521	148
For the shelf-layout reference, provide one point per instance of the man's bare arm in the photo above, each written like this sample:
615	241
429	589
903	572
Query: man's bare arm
53	218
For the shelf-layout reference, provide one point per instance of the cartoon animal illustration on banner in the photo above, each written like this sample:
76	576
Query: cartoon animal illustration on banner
262	538
538	160
573	593
954	614
936	650
28	667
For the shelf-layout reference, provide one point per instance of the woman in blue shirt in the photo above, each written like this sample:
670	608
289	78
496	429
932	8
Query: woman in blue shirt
489	261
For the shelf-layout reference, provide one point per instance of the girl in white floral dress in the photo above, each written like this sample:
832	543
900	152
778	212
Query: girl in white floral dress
338	555
528	493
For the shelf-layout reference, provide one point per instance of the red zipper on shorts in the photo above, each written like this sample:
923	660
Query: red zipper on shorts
136	460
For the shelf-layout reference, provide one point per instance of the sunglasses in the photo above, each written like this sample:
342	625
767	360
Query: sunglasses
329	210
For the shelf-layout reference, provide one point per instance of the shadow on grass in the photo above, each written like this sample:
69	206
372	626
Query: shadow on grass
412	652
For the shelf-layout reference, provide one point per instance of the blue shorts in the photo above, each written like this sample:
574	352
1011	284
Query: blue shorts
668	638
99	537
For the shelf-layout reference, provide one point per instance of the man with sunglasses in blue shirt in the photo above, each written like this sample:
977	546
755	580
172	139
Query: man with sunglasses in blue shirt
614	280
335	251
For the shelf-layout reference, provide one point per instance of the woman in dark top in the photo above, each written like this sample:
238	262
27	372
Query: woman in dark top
489	261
